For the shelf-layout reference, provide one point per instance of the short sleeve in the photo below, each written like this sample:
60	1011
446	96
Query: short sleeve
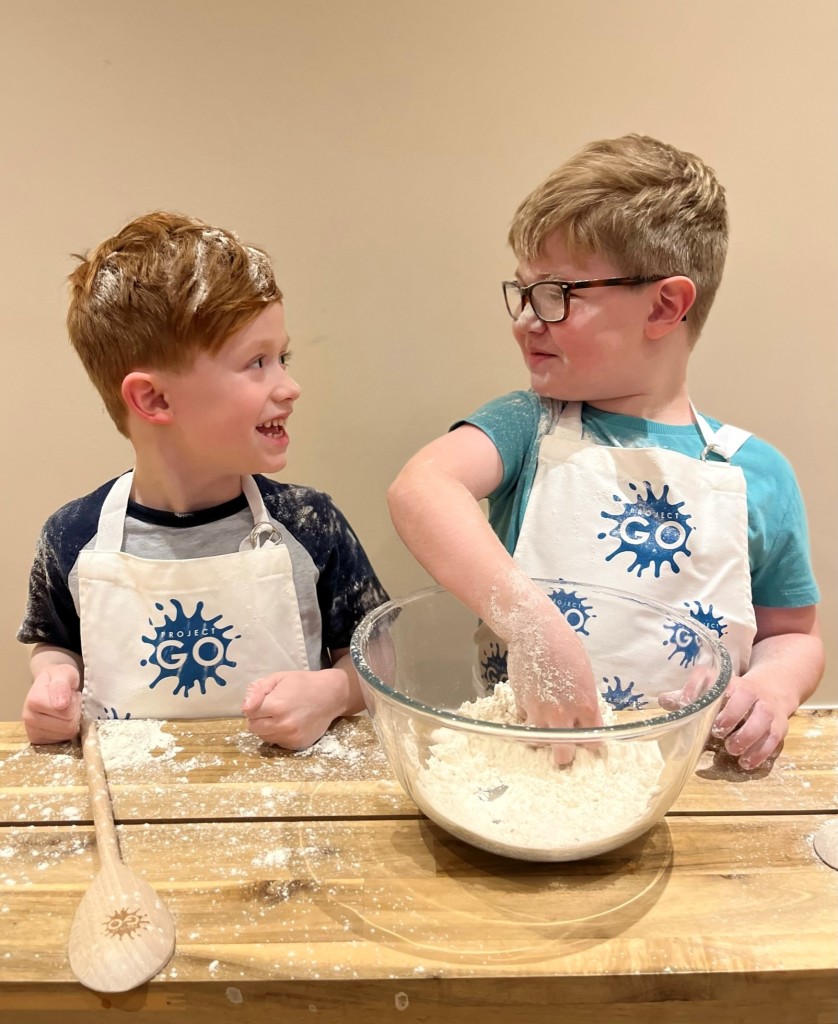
511	423
348	587
51	616
781	566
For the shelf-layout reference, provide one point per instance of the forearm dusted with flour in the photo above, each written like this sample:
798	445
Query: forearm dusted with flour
434	506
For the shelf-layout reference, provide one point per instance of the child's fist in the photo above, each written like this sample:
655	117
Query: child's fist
52	709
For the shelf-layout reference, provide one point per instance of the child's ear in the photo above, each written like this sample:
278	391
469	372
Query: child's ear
142	394
673	299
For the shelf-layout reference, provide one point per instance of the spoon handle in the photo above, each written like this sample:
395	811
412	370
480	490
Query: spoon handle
100	798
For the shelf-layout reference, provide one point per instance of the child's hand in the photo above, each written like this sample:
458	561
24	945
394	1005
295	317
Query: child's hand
754	720
551	676
294	709
698	682
52	709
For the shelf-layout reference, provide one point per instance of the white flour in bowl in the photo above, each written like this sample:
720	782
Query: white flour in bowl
511	798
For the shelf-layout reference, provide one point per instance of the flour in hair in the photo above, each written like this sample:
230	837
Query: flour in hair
259	266
509	797
106	284
210	237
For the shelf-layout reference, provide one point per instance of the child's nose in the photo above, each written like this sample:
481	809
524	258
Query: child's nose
528	322
286	387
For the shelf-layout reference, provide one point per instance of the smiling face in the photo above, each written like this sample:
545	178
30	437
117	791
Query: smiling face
600	353
229	410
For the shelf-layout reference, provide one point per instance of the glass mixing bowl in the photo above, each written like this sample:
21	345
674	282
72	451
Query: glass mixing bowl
494	782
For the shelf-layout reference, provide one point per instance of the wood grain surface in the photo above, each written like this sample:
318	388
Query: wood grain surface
216	770
319	892
337	899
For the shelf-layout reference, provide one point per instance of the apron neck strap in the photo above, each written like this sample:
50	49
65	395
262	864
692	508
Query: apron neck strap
569	421
112	516
255	500
725	442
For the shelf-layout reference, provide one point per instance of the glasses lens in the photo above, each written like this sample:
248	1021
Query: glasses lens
512	295
548	301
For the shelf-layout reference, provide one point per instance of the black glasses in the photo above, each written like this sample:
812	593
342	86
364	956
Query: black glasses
549	299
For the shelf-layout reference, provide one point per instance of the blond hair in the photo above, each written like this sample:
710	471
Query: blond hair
645	206
155	295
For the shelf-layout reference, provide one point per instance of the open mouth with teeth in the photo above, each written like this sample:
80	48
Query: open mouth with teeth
273	428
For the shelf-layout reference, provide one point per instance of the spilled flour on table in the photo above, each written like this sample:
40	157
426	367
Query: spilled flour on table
127	743
511	798
331	746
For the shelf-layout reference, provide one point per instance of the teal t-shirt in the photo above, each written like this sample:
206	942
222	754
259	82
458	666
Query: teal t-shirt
778	538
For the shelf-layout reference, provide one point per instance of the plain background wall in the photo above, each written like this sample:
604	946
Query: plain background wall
378	150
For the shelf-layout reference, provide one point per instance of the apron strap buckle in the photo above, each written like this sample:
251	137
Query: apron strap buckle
264	534
715	450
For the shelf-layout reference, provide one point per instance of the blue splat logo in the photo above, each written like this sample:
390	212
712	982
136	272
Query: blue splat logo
716	624
574	609
112	715
190	649
651	529
619	698
494	667
684	641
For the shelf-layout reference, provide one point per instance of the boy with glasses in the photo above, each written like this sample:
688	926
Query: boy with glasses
193	586
605	472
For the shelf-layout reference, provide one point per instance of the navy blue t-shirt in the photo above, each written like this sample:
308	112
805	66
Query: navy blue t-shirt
335	584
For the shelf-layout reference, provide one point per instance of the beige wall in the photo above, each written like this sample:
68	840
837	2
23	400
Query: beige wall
378	149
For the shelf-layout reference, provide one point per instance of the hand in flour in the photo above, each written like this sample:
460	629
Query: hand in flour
553	682
52	710
294	709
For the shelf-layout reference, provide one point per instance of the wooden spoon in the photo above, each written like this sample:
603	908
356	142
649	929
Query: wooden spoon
122	934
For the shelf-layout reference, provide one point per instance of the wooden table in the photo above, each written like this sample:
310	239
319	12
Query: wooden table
308	887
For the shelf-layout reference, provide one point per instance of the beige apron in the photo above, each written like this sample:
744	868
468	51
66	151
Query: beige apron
183	638
656	523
